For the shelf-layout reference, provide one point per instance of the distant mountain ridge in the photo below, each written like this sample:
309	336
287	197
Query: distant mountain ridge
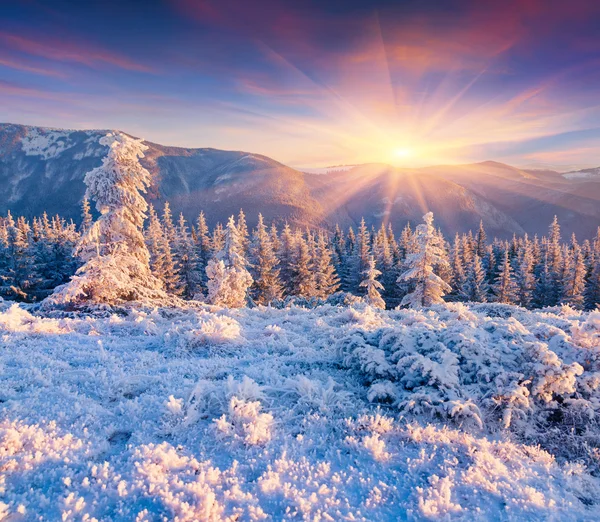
42	169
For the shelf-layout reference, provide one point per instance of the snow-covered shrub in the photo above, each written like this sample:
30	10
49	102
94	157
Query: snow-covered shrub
16	319
214	331
316	395
245	423
494	366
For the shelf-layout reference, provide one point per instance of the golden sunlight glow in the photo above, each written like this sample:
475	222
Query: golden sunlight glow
403	153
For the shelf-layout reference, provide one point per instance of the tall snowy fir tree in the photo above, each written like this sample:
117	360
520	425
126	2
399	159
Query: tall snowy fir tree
267	285
303	277
372	286
505	289
555	264
481	246
361	254
203	246
287	256
228	278
86	216
113	249
429	288
476	287
525	277
188	267
243	233
592	291
573	287
326	279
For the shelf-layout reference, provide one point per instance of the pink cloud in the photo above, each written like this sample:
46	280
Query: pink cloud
70	51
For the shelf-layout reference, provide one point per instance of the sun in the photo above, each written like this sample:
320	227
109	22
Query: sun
402	152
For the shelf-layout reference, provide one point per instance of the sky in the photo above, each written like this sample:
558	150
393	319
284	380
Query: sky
316	83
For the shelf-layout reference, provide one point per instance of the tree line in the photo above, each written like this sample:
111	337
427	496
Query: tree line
231	265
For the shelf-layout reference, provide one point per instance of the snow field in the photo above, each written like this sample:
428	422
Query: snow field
267	414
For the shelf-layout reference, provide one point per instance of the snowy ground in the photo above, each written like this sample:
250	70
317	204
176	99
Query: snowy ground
264	415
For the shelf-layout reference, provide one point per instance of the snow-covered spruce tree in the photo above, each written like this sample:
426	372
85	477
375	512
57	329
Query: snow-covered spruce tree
574	278
326	279
458	269
228	278
267	285
524	274
243	233
168	225
203	248
592	289
187	261
481	245
303	277
476	287
361	254
372	286
505	289
22	275
116	259
286	256
429	288
384	258
555	265
217	240
86	216
162	265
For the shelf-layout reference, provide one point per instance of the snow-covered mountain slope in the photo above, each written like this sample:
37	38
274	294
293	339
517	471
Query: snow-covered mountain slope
42	170
583	175
531	197
265	414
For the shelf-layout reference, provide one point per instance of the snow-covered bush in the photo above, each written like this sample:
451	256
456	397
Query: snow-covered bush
244	422
212	331
496	367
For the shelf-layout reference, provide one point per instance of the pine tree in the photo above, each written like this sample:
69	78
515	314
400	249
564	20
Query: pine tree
384	258
361	254
303	278
168	225
524	274
505	288
217	240
113	249
372	286
555	264
287	259
228	278
326	279
592	290
458	269
476	286
574	278
86	216
275	242
429	288
481	246
267	285
188	270
203	246
243	233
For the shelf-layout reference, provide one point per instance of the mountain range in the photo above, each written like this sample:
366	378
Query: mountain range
42	169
